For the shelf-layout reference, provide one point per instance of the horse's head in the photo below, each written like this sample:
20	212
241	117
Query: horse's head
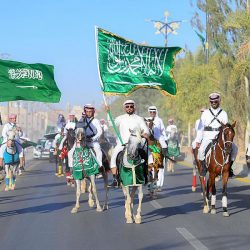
228	133
80	136
134	143
149	122
10	138
71	135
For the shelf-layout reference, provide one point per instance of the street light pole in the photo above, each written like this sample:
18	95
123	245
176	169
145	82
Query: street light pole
165	27
206	42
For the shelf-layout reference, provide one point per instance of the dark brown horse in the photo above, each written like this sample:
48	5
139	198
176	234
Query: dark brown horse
218	162
158	157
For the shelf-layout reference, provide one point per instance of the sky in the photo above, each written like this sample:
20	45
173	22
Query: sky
61	33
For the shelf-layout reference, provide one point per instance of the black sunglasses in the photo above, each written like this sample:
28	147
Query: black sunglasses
129	106
212	102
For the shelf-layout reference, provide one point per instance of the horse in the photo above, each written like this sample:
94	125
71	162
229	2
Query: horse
158	158
62	156
218	162
132	174
11	157
85	166
173	150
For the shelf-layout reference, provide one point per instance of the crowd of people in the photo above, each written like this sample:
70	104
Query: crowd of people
207	129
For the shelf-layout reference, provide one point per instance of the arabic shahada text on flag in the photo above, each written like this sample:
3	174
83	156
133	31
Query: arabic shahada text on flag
31	82
125	66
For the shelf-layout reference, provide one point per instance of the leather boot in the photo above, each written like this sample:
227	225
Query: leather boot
203	168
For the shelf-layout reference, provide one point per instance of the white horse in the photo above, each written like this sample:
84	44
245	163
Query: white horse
85	166
131	168
11	155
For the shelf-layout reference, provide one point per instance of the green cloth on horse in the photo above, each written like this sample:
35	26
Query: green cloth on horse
154	148
173	148
133	174
84	163
1	139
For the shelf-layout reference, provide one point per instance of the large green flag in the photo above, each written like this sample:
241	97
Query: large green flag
31	82
125	66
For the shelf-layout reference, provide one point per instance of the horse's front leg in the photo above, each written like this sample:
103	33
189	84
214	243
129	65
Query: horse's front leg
150	181
83	186
225	175
14	174
128	214
7	178
98	207
213	197
132	195
106	189
78	193
91	201
140	197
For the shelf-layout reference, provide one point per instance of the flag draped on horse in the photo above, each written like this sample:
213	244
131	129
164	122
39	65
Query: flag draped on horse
32	82
125	66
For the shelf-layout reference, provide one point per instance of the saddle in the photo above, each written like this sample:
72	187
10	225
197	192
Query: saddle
209	147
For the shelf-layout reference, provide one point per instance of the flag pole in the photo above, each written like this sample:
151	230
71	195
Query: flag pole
102	87
112	120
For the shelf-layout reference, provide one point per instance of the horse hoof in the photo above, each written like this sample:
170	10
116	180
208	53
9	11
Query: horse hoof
205	210
193	189
138	220
74	210
129	221
213	211
225	214
105	207
99	209
91	203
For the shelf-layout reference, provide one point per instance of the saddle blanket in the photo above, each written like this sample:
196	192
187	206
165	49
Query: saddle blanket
84	163
132	176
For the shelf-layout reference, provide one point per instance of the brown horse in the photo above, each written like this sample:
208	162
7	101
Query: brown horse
158	157
218	162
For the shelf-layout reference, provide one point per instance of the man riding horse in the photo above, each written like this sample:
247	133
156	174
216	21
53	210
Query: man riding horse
11	155
159	133
211	121
92	130
125	123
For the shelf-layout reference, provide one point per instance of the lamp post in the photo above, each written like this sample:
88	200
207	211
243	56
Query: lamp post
165	27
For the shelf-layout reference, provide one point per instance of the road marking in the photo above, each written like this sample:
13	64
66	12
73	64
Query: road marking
243	180
191	239
155	204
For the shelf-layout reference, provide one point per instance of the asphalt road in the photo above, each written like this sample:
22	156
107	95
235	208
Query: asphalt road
37	216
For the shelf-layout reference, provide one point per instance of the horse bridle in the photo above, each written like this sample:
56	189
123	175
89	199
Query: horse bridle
226	150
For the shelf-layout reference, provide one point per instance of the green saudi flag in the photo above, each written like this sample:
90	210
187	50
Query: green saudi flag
31	82
125	66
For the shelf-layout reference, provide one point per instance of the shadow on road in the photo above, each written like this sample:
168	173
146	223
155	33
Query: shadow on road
45	208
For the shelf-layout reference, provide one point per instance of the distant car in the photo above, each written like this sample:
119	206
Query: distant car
42	149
